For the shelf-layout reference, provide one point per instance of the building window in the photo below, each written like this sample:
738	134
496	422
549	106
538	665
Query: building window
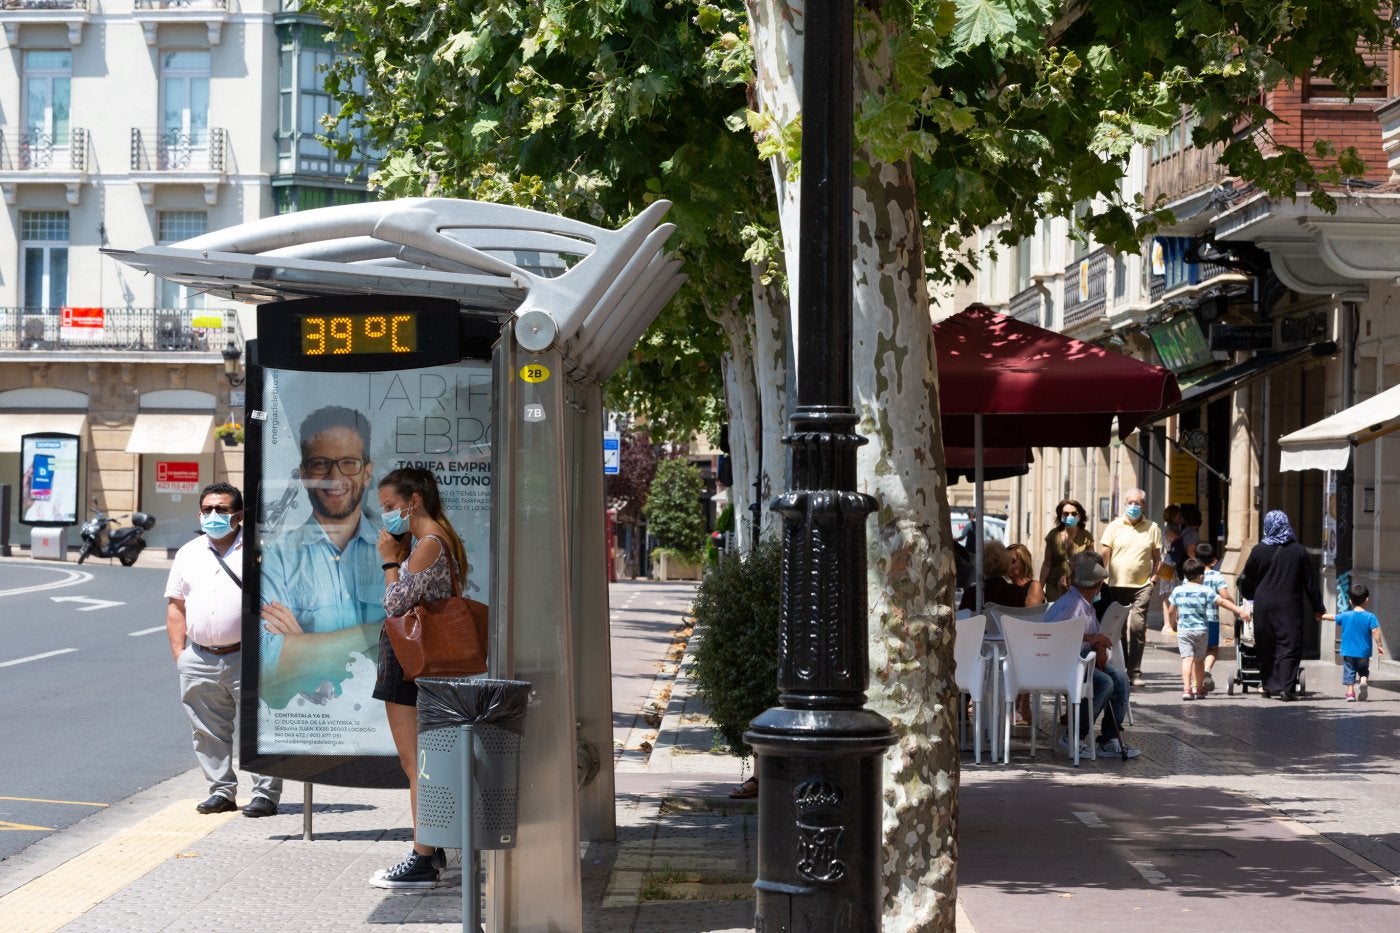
47	78
302	198
304	103
172	227
184	94
44	251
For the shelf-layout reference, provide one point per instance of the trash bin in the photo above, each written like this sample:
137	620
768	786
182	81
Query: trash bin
495	709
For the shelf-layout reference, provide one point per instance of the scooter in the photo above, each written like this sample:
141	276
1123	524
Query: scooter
125	544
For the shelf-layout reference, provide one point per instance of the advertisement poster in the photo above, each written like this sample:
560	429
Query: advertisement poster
327	441
49	479
177	476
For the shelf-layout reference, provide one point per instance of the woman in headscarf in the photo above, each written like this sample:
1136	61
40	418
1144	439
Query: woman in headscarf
1280	578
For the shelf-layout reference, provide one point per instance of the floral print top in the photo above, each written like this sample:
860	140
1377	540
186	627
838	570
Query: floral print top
432	582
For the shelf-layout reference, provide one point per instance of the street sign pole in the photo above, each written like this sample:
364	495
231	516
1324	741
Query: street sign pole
820	750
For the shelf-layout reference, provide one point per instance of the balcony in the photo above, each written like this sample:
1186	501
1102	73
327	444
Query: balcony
1086	290
72	13
36	157
1178	176
74	331
174	157
152	13
1026	305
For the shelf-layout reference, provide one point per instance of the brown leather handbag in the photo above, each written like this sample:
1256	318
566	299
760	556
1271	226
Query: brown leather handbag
441	637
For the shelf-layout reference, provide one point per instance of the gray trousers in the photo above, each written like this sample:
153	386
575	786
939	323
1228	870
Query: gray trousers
209	691
1137	599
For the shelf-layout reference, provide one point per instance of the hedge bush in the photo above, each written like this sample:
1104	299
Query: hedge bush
736	662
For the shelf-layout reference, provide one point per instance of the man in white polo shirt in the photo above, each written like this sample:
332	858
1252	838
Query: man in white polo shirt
204	619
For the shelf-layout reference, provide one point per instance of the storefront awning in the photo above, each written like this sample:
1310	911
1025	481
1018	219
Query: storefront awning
1240	375
1327	444
166	432
14	425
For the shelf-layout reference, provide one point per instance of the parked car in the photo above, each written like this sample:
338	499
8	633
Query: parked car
994	525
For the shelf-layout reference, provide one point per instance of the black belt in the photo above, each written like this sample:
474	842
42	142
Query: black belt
218	649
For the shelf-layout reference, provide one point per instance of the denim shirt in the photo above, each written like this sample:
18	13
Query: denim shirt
325	588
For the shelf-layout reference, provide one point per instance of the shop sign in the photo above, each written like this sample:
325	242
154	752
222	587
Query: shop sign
1241	336
176	476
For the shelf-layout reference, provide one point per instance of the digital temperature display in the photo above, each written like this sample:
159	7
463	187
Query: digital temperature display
364	333
358	334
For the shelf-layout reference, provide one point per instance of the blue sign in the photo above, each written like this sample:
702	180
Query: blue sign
612	453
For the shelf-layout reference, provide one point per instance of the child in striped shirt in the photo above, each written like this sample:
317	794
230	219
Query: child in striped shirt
1214	580
1187	609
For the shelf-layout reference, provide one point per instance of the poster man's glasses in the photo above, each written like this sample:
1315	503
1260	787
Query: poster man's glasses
321	466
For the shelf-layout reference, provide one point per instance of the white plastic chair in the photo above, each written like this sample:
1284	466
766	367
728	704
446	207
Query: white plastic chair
1043	657
1114	621
997	612
971	677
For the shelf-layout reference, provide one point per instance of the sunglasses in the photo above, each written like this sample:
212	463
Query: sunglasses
221	509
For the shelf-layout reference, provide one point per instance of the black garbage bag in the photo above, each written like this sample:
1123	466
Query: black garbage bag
448	702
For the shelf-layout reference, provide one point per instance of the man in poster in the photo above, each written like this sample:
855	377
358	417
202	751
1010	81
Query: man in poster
322	587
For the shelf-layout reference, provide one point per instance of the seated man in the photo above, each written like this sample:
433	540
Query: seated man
1087	574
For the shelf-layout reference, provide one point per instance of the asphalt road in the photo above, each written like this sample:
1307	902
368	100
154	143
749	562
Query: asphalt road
89	701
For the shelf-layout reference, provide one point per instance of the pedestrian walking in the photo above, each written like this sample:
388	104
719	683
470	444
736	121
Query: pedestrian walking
1360	630
1215	581
1279	578
1187	614
1131	548
204	620
1068	537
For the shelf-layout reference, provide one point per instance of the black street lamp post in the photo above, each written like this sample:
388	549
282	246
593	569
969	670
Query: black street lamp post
820	750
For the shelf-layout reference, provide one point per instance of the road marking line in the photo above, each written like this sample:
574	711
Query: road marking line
1089	818
1149	872
22	827
70	578
49	902
92	602
36	657
148	631
76	803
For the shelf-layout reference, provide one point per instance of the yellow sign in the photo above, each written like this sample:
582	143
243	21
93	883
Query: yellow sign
1184	478
534	372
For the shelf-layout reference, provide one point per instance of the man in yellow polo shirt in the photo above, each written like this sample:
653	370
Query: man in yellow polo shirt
1131	546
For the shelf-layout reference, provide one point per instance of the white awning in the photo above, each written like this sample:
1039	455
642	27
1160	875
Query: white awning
168	432
1327	444
14	425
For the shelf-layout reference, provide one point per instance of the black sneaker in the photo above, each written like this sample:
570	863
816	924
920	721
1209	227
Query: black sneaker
414	872
439	859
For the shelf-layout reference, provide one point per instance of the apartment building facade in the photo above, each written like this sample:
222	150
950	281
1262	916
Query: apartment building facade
125	123
1272	313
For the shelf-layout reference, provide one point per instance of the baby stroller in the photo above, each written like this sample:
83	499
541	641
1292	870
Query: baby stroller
1247	673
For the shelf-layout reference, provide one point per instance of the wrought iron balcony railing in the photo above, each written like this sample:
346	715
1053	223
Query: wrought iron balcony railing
35	151
32	5
1086	288
177	151
176	330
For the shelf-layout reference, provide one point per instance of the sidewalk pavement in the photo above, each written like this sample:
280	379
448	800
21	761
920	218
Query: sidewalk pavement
1242	812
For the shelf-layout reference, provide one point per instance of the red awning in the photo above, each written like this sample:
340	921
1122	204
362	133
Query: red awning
1037	388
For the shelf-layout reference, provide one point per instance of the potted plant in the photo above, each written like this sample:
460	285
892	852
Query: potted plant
231	433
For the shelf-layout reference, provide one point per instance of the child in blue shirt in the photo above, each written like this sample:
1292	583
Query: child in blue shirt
1360	629
1187	609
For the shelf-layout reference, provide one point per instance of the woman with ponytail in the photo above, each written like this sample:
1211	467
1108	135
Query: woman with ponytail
423	560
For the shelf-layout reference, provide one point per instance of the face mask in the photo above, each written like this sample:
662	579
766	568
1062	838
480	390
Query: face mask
396	522
216	525
1134	512
1071	521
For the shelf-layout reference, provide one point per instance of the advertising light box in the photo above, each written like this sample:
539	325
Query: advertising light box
49	480
322	439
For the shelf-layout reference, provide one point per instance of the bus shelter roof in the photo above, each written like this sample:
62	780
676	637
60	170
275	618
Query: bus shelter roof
588	290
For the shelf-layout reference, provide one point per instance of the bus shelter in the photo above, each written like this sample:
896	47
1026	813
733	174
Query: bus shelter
472	340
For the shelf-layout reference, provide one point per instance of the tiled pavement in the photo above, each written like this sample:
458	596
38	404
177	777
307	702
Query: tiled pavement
1242	813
